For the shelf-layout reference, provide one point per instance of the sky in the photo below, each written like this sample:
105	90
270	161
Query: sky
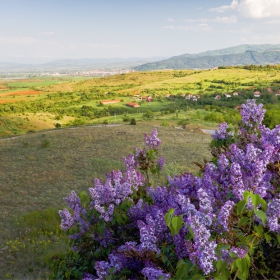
36	31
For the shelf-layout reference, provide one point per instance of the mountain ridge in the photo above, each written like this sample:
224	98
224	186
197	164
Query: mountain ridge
232	56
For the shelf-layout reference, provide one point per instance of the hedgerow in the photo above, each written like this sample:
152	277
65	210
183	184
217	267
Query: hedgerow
220	224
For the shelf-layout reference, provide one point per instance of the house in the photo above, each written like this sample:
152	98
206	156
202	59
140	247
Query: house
105	102
278	93
217	97
238	107
194	98
149	99
235	93
188	97
269	90
257	93
197	96
227	95
133	105
167	95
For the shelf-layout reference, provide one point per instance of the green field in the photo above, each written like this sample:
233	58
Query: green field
66	101
41	168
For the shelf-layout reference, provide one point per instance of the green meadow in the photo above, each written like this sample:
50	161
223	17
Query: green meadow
59	137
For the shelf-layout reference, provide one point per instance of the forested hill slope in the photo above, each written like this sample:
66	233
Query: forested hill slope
240	55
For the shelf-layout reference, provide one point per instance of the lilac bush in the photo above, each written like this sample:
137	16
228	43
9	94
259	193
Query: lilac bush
218	225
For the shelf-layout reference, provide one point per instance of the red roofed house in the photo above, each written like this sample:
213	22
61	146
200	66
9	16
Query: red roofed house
235	93
134	105
148	98
105	102
257	93
278	93
269	90
218	97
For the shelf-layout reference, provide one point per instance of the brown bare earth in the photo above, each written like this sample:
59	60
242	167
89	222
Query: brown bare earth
22	92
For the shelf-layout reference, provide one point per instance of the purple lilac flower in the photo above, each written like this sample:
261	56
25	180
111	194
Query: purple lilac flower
180	246
147	236
153	273
161	163
153	141
273	215
79	214
191	251
102	269
87	276
252	114
207	256
237	180
223	217
138	211
66	219
117	188
205	206
239	252
205	249
222	134
130	161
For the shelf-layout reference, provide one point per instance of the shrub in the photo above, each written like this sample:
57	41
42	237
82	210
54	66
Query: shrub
149	115
133	121
126	119
223	224
164	123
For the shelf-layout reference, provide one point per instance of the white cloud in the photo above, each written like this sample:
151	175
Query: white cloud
260	8
233	6
201	27
23	40
252	8
197	20
231	19
170	19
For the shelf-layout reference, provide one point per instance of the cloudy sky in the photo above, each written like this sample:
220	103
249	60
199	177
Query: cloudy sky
39	31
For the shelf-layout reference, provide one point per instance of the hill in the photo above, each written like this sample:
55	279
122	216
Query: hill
233	56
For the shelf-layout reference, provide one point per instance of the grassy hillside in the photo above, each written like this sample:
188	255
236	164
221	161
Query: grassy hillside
38	103
40	169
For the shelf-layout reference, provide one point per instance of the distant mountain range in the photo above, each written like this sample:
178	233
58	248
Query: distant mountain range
233	56
66	65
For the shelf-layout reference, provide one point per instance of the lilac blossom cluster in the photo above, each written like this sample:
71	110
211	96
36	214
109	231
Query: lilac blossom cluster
222	134
153	141
206	203
252	114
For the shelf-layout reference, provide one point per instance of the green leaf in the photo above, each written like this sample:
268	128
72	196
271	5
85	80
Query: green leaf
197	277
259	230
267	237
261	215
177	223
240	206
242	221
183	269
167	219
278	238
246	195
223	246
